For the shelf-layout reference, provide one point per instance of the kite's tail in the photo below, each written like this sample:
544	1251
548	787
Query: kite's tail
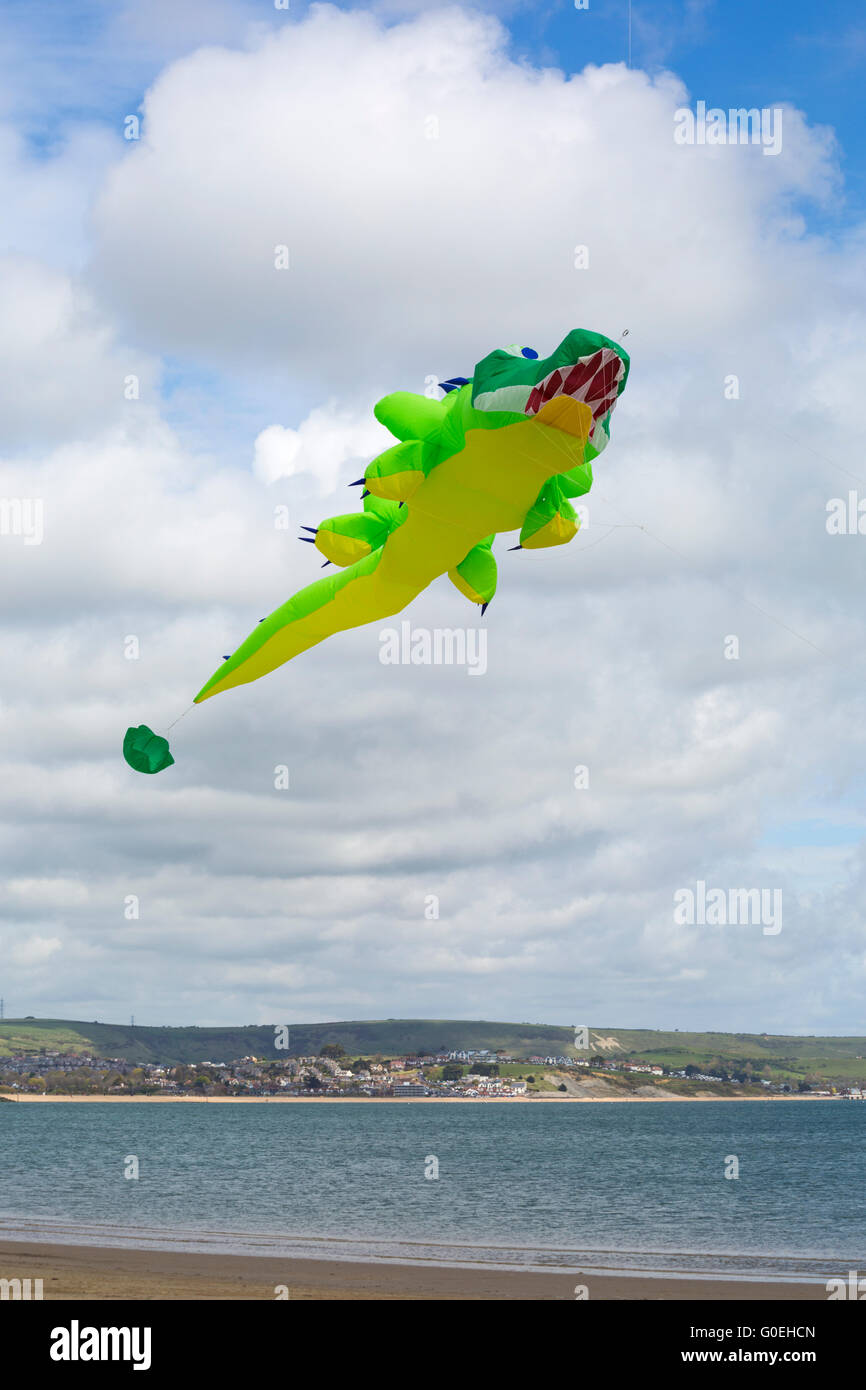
355	543
346	599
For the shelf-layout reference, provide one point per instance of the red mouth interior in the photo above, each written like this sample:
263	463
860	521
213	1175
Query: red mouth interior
593	380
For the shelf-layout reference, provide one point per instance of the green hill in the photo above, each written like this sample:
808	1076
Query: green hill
837	1060
390	1037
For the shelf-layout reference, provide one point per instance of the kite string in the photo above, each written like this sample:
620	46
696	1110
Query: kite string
563	447
180	717
611	527
720	582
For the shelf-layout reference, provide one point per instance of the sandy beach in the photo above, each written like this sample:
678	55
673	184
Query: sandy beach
103	1274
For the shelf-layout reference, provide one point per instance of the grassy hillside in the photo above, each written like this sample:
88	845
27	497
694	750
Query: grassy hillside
391	1037
788	1057
837	1060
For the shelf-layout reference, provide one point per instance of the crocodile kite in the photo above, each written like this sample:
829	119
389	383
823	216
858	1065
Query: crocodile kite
503	450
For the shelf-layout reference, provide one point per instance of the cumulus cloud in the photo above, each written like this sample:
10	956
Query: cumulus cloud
323	444
431	193
62	372
34	950
47	200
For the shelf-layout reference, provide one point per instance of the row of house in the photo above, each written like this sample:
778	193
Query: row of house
325	1075
37	1063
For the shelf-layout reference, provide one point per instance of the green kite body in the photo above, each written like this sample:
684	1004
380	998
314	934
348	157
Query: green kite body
502	451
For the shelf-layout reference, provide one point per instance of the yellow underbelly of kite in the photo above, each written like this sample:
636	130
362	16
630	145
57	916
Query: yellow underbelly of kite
487	487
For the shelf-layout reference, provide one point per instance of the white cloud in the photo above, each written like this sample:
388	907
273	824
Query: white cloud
46	200
62	373
322	444
416	255
34	951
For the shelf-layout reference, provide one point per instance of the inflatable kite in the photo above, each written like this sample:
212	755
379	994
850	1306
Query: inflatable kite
503	450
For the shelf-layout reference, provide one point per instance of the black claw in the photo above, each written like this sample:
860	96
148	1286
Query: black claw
327	562
365	494
314	529
261	620
515	547
359	482
402	504
308	539
484	608
227	658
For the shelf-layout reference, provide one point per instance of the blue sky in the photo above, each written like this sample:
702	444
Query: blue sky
729	52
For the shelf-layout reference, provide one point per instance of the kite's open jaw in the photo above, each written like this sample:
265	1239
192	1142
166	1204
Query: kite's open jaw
592	381
586	373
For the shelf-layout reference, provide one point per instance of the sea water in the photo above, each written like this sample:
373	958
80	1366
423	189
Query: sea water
582	1187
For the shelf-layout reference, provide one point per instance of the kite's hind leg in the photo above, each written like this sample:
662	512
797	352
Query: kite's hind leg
475	576
345	539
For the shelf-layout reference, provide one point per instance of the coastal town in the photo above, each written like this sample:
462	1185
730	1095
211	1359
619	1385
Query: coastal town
470	1073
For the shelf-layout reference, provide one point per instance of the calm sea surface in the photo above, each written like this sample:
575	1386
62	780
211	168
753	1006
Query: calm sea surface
578	1187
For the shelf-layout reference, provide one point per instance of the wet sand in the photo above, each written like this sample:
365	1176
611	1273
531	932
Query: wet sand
103	1274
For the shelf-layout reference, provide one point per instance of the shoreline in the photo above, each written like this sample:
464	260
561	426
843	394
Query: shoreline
110	1273
394	1100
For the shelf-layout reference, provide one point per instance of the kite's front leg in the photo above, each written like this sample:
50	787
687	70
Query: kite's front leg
550	521
396	475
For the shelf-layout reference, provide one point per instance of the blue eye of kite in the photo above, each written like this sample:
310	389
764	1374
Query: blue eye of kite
528	352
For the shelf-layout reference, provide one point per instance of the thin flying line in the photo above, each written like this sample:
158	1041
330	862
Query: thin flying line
180	717
743	597
615	526
823	457
629	33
